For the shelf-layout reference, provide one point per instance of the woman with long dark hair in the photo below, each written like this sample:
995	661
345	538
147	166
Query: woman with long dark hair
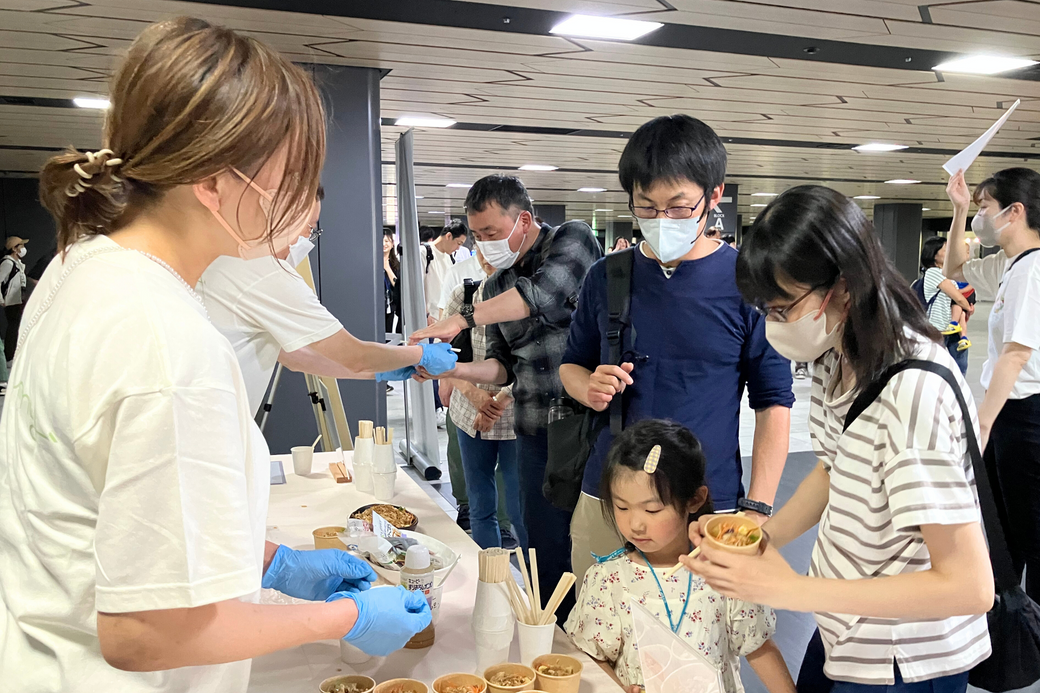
900	577
1009	217
391	280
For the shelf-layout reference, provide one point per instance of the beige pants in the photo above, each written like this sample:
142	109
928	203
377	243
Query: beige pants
591	532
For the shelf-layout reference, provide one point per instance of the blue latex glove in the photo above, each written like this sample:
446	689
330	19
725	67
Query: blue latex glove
438	358
388	617
315	575
399	374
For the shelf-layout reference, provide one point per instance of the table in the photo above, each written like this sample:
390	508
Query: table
305	503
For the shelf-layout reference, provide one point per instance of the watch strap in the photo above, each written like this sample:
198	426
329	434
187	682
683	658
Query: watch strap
755	506
467	313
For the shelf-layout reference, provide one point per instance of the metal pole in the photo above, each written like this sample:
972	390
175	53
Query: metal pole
269	402
421	432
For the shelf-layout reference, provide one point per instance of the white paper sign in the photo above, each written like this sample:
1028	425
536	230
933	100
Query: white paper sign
669	664
961	161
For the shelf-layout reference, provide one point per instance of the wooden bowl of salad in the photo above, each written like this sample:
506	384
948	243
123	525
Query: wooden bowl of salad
734	533
460	683
508	678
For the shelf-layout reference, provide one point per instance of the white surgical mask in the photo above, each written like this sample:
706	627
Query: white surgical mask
21	252
498	253
670	239
805	339
982	225
299	250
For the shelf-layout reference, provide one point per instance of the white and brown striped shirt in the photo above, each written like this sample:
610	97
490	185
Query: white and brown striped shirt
904	463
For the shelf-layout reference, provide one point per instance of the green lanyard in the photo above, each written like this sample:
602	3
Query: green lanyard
668	612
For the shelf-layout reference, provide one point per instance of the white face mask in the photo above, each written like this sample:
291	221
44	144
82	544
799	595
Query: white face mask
299	250
805	339
670	239
22	252
498	253
982	225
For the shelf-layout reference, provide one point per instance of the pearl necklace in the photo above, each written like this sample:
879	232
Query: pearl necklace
172	271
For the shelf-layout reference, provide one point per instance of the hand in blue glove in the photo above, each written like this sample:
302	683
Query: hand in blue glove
388	617
399	374
437	358
315	575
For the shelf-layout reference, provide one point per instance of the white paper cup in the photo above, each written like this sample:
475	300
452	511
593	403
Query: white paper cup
383	485
363	450
535	641
350	654
383	461
363	478
302	459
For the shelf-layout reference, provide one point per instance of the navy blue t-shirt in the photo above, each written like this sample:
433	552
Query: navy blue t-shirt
695	345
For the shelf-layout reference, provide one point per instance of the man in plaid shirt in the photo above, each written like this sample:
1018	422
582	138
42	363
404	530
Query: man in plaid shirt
527	308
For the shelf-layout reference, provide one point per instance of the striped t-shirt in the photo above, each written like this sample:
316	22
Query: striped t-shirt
941	309
903	463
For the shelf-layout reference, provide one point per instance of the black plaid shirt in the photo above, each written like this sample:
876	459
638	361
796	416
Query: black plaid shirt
548	278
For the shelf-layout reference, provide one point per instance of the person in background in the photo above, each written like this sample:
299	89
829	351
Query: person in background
940	294
13	290
1008	216
621	243
692	343
143	574
527	308
801	370
437	259
900	578
391	283
730	240
651	508
487	442
270	315
427	234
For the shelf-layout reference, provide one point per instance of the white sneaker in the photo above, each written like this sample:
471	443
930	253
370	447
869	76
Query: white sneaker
442	418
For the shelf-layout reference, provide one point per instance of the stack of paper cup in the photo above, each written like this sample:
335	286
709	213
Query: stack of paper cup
363	446
384	467
492	624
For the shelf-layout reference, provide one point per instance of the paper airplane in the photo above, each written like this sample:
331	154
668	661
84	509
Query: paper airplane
961	161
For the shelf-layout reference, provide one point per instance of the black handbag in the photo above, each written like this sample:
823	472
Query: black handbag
1014	620
573	428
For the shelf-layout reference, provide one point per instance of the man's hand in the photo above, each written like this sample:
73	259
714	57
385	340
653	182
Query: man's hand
447	388
495	408
445	330
607	381
483	423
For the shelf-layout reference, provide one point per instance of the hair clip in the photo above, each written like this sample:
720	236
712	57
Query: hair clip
650	466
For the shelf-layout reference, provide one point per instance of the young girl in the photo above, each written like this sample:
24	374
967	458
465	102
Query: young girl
652	510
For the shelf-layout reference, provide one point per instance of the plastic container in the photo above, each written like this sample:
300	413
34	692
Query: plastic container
349	654
535	641
460	680
363	681
448	557
493	621
713	527
558	684
302	459
383	461
513	669
402	686
417	576
383	485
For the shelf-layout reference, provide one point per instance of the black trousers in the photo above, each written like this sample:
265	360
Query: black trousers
14	320
1013	462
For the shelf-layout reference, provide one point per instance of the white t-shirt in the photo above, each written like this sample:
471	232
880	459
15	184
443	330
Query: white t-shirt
438	269
132	476
902	464
1015	316
263	307
9	265
466	269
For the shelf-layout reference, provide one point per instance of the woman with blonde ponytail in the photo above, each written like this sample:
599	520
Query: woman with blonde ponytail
133	481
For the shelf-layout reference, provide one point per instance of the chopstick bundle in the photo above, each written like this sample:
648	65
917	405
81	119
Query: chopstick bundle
381	436
562	588
493	565
364	429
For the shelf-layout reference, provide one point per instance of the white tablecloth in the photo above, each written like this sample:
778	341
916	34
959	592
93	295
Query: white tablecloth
302	505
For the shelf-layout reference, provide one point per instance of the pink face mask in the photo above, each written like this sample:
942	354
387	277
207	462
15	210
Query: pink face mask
260	247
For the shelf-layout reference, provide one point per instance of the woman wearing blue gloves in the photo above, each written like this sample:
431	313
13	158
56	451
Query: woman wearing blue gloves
133	481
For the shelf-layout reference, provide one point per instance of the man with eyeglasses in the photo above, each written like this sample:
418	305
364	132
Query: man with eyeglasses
691	344
270	315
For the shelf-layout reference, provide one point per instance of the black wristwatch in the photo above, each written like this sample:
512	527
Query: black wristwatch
755	506
467	313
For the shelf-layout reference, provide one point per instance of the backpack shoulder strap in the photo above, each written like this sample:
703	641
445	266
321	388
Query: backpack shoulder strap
429	257
619	301
1000	556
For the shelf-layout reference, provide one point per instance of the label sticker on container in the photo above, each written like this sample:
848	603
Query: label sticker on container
382	528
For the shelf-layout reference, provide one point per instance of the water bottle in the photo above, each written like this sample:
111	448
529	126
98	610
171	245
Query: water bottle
559	409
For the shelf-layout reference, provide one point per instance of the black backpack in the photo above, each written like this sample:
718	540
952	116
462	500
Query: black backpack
918	287
572	437
6	284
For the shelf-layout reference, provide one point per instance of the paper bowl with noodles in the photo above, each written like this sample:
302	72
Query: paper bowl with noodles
734	533
399	517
